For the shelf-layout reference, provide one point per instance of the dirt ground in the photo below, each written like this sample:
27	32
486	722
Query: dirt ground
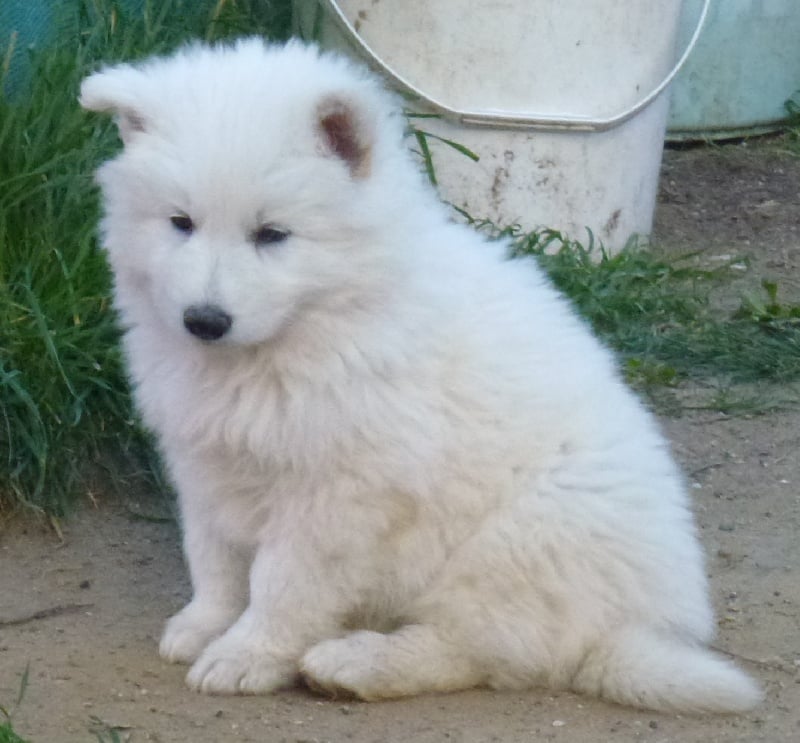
84	612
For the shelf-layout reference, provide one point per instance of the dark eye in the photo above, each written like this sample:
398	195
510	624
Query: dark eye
182	223
268	235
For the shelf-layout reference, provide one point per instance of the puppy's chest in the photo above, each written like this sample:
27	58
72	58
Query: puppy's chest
247	500
254	420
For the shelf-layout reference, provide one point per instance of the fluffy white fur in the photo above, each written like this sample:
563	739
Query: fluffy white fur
407	467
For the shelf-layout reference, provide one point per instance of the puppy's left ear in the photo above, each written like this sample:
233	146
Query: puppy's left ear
116	90
347	132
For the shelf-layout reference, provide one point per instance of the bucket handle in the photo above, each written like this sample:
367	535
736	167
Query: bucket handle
508	119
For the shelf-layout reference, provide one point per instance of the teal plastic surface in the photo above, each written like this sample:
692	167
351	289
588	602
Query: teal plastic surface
745	66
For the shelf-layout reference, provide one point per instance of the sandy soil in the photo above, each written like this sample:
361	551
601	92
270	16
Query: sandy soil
83	611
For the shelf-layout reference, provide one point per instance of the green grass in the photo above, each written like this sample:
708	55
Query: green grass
793	123
105	733
8	735
65	412
7	732
655	312
100	730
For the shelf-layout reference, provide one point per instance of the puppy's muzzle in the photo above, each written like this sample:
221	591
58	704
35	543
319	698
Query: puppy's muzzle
207	321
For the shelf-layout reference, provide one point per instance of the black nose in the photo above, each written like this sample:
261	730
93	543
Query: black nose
207	321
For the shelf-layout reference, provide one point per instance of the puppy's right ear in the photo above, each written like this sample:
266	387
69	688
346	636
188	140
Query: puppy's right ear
347	132
116	90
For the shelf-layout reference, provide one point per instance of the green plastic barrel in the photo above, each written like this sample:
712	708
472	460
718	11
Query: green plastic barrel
745	66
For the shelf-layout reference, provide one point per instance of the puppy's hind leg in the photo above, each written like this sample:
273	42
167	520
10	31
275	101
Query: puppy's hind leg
414	659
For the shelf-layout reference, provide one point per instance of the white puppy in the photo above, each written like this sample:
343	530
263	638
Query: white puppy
404	464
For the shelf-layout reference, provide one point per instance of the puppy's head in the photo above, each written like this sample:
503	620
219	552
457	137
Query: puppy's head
256	187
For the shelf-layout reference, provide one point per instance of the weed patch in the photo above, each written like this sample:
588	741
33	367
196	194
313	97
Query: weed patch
792	107
7	732
654	311
8	735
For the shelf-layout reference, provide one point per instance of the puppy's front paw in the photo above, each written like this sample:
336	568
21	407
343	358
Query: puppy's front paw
190	631
227	667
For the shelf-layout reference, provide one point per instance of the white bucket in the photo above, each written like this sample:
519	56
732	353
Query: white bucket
592	72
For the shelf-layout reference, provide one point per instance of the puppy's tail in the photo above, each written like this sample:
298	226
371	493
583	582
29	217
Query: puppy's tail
643	668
